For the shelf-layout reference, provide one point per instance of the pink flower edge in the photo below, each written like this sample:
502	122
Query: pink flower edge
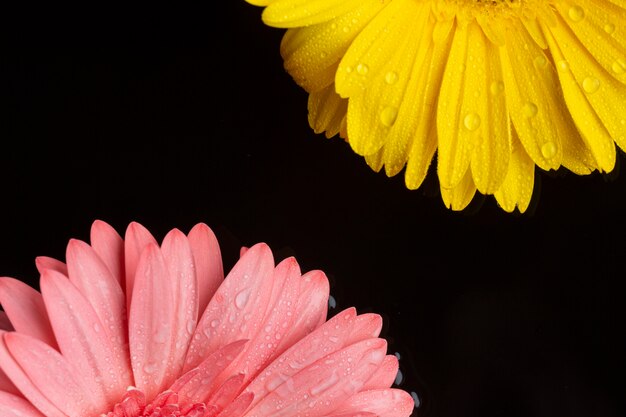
128	328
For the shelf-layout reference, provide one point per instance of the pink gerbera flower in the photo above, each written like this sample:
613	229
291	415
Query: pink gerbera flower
128	328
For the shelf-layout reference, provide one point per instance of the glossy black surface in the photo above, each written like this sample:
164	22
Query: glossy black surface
176	116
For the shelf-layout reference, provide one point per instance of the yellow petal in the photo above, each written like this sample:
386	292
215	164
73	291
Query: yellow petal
535	104
517	188
311	54
534	29
294	13
375	160
472	118
600	28
373	47
416	108
373	112
461	195
326	111
420	156
578	92
491	153
454	141
493	29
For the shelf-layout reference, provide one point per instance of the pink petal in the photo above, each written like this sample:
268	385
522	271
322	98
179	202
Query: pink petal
196	385
384	375
208	261
384	402
262	347
103	292
321	387
84	340
13	406
182	276
52	375
109	246
43	262
355	414
237	309
238	406
366	326
136	239
151	323
6	385
25	307
328	338
311	308
225	394
5	323
24	383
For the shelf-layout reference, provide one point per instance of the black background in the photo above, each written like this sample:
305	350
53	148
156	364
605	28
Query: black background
182	115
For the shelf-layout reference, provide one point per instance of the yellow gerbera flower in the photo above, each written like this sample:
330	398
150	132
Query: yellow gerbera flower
495	87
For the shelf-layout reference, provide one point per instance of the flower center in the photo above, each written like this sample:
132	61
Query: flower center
164	405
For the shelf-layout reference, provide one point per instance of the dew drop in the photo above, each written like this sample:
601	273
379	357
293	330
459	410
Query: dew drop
325	384
591	84
388	116
563	65
416	399
619	66
548	150
399	378
576	13
214	323
391	77
362	69
540	61
609	28
191	324
150	367
348	69
332	303
530	109
242	297
471	121
496	88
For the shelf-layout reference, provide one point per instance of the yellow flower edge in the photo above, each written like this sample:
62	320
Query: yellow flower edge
493	88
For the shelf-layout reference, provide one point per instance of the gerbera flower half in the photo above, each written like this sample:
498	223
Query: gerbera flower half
128	328
494	87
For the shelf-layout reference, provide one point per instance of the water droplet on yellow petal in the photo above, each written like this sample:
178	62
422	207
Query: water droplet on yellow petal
530	109
609	28
619	66
591	84
540	61
388	116
496	87
563	65
391	77
548	150
471	121
362	69
576	13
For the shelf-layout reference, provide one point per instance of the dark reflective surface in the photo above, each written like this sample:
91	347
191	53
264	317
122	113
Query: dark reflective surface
175	116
